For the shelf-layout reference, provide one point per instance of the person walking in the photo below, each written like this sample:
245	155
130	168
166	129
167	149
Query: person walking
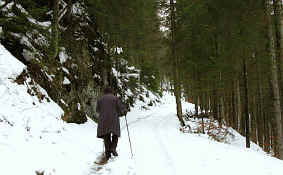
109	108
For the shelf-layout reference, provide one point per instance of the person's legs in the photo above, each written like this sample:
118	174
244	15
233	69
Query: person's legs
107	144
114	144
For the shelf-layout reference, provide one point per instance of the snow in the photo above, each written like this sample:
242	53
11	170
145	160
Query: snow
77	9
160	148
65	70
119	50
63	55
34	21
66	81
34	138
95	49
9	66
62	101
50	77
28	55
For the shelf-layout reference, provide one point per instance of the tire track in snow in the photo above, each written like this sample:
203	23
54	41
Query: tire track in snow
150	130
158	136
136	121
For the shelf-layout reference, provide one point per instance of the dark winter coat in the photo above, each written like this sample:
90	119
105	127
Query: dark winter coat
109	108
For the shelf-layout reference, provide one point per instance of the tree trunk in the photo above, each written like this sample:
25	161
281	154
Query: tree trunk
177	93
215	105
229	110
234	116
239	106
246	104
105	77
196	101
242	121
202	100
277	4
259	120
176	76
221	98
69	11
259	105
278	142
254	114
267	141
54	44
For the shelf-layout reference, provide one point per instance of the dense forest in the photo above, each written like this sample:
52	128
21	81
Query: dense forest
223	56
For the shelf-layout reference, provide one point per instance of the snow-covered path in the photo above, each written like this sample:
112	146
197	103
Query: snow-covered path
151	154
160	148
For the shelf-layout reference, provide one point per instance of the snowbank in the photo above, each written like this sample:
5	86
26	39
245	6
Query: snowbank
10	67
32	135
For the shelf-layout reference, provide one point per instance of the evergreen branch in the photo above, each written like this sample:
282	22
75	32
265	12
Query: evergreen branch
4	5
62	13
43	49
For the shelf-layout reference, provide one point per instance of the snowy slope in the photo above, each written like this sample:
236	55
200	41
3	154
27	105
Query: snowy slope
34	138
32	135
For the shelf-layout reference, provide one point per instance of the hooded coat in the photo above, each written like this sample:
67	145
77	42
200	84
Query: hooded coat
109	108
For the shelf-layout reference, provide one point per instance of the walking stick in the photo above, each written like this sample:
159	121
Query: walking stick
129	135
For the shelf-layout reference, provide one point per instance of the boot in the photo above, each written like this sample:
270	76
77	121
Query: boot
114	152
114	145
104	159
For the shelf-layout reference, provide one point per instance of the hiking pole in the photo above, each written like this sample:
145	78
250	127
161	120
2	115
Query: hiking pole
129	135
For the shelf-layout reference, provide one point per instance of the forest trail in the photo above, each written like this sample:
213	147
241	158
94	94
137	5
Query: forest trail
150	151
160	148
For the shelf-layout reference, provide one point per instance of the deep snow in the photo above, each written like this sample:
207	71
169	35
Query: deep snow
34	138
